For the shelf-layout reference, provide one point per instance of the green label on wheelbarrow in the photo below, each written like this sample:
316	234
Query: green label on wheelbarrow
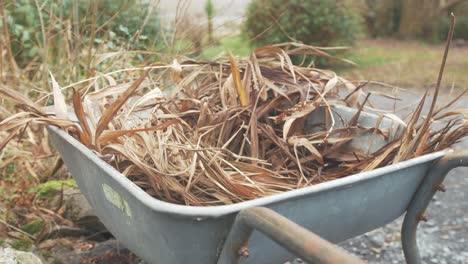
116	199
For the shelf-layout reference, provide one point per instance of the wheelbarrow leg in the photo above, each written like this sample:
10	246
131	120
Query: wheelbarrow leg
416	210
298	240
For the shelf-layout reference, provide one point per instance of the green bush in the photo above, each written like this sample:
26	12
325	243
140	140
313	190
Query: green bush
118	22
460	31
312	22
461	25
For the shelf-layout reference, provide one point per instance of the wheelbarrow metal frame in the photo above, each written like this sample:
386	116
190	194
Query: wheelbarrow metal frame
335	210
415	213
312	248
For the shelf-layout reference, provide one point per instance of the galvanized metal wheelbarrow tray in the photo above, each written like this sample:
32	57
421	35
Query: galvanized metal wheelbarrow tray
271	229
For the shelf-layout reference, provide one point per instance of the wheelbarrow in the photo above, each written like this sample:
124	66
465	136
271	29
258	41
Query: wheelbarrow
272	229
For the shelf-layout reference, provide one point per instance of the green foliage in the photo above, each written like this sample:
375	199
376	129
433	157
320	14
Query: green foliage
33	227
372	58
210	12
209	9
128	22
10	168
22	244
460	31
313	22
118	21
238	45
50	188
461	25
382	18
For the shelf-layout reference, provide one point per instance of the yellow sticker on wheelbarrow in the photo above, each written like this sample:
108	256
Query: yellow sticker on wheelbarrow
118	201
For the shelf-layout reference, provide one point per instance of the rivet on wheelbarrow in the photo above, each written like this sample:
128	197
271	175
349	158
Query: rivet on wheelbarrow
423	217
441	187
244	252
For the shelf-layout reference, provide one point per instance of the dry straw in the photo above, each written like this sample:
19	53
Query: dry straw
226	132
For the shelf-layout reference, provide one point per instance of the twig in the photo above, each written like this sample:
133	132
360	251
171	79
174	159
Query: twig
425	125
442	66
17	229
6	36
91	39
44	41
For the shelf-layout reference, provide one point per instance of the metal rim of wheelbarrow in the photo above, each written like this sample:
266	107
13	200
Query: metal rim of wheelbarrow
220	210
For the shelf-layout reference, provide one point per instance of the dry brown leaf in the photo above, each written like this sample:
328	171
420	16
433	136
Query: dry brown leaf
112	110
80	114
60	106
241	93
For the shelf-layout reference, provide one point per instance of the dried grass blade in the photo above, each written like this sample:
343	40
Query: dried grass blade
60	106
305	143
20	99
8	138
380	158
254	136
112	110
80	114
330	85
422	147
109	135
449	104
241	93
428	120
442	66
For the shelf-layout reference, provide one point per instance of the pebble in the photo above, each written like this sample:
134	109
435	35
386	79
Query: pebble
375	242
12	256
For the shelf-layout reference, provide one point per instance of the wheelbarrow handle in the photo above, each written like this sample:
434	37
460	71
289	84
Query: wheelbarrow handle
416	210
298	240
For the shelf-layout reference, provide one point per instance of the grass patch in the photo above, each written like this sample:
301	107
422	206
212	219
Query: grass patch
33	227
50	188
372	56
237	44
10	168
22	244
410	64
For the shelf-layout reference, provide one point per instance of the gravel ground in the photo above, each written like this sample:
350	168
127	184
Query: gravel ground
443	239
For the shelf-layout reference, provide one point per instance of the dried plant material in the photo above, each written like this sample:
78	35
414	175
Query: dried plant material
222	132
20	99
109	136
176	73
60	107
6	140
85	134
241	93
112	110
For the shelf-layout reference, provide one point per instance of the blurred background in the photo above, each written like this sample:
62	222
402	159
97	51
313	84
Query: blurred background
391	41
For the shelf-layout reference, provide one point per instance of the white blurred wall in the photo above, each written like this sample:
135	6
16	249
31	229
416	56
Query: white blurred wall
227	12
